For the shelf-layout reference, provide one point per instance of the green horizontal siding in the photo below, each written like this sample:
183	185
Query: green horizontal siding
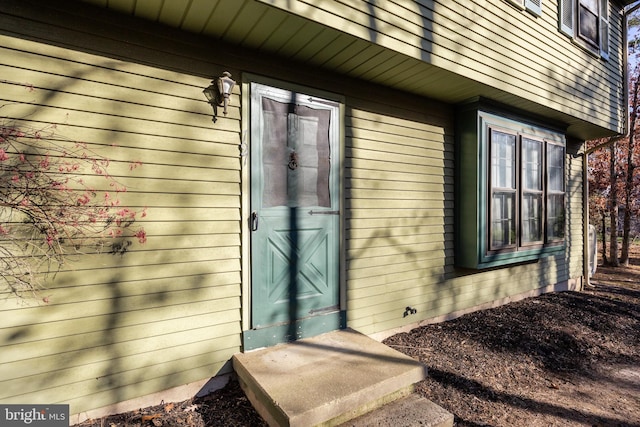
165	313
399	225
395	195
169	312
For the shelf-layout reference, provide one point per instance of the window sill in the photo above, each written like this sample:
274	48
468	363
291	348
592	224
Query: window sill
586	47
499	259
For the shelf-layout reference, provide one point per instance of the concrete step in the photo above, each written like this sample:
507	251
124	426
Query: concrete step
410	411
325	380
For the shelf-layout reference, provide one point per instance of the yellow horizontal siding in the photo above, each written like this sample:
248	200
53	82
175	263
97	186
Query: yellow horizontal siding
491	42
535	57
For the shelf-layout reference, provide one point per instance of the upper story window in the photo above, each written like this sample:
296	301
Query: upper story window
587	22
533	6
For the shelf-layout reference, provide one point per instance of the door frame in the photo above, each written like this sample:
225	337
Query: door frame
249	340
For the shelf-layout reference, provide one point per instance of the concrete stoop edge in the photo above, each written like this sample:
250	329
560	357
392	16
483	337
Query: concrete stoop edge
334	378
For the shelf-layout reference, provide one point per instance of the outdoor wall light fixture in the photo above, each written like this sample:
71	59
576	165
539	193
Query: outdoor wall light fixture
218	93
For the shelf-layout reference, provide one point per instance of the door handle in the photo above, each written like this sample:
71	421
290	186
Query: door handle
254	221
312	212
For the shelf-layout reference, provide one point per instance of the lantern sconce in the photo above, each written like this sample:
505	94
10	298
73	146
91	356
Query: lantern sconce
218	93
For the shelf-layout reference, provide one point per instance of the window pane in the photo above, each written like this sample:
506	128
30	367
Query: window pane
305	176
532	164
296	155
588	25
503	148
555	217
555	167
555	192
531	218
503	232
604	28
591	5
274	159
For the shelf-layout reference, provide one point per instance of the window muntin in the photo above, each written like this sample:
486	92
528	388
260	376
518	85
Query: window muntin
526	206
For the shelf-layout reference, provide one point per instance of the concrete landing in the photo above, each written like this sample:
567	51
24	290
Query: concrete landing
325	380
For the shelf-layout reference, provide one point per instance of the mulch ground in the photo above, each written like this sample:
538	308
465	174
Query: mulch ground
563	359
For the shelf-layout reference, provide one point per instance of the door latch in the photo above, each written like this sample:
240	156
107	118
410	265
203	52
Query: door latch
254	221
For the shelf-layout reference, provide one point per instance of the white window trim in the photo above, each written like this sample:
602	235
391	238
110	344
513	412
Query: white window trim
533	6
568	25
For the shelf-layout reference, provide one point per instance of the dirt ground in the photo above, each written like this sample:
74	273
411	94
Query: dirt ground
565	359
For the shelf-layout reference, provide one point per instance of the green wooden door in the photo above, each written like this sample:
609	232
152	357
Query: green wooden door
295	218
